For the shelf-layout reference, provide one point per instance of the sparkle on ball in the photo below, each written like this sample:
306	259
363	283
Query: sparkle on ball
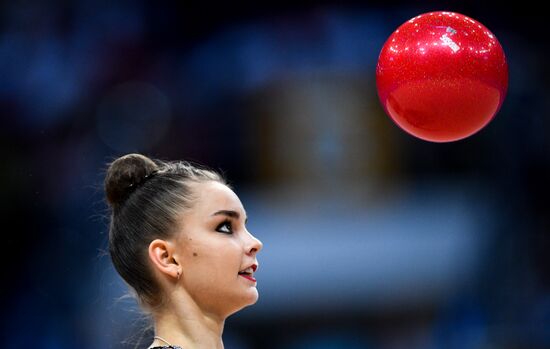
442	76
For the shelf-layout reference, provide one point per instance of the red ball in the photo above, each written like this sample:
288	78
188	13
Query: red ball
442	76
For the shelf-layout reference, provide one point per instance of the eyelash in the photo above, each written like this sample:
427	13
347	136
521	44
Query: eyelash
227	224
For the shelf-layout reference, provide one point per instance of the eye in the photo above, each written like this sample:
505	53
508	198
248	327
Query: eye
225	227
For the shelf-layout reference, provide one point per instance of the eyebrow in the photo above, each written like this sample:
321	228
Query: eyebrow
228	213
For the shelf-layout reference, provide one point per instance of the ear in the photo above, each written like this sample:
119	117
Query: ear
162	255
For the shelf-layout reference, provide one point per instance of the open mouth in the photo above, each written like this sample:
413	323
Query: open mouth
248	273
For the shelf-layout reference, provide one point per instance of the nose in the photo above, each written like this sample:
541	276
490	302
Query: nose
254	245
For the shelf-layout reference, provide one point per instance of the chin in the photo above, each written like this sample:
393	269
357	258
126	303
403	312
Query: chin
249	298
252	296
244	304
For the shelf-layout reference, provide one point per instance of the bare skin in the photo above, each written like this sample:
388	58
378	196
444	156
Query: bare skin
201	270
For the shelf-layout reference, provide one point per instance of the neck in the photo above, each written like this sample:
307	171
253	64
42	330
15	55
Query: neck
183	323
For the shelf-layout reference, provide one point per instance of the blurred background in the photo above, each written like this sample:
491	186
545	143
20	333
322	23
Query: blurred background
372	238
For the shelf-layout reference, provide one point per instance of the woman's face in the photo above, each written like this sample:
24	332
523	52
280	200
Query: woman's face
217	252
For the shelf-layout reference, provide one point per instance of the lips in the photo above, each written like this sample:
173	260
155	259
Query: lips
248	273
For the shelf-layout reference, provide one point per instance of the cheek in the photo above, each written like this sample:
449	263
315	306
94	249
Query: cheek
213	262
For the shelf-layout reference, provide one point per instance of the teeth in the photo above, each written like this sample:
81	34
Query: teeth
249	270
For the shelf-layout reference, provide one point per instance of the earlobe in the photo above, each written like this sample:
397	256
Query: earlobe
163	258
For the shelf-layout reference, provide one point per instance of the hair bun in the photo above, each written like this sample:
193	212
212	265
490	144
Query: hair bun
124	174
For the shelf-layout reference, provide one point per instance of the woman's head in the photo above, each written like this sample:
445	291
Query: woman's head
176	225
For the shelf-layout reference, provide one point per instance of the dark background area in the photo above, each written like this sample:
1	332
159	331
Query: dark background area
433	245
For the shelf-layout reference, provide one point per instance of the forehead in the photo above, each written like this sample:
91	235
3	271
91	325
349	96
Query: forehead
213	196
